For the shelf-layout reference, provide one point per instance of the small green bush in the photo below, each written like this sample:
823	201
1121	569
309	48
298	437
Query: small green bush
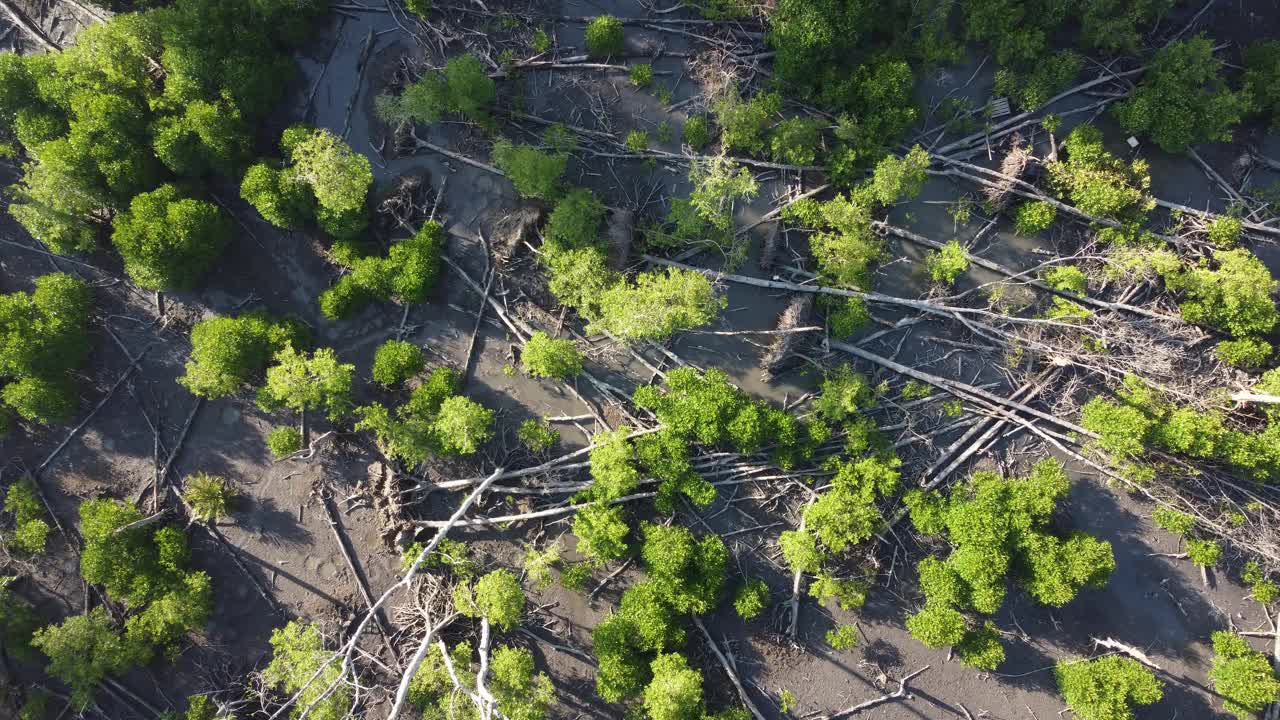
463	87
497	597
1224	231
284	441
408	273
168	241
208	495
547	357
462	426
843	637
1242	676
83	651
1034	217
697	132
605	36
1262	588
533	172
795	141
947	263
752	599
421	8
227	353
396	361
277	195
658	305
637	141
538	436
602	532
1175	521
1182	100
303	383
743	122
300	664
575	223
641	75
1107	688
31	531
1204	553
18	622
538	563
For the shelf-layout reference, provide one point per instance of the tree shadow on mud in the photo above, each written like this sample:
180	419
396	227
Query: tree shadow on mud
273	525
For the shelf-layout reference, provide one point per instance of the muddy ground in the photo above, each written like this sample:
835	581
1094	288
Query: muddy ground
281	533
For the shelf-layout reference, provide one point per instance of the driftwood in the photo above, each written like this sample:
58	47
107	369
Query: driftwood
406	582
1131	651
339	536
899	693
769	249
133	365
784	342
618	238
728	668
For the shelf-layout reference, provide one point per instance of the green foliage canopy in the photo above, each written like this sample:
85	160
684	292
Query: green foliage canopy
43	341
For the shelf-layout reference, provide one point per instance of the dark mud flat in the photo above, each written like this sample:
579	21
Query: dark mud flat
281	534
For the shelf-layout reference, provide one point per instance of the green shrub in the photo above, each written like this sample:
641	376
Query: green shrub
675	693
1045	79
604	36
1263	589
602	532
463	87
1106	688
641	75
229	353
539	437
396	361
521	692
1233	294
752	599
284	441
168	241
999	528
43	342
1224	231
533	172
981	648
339	177
83	651
696	132
18	622
743	122
637	141
497	597
1262	78
208	495
1034	217
462	426
1175	521
795	141
1244	353
31	531
575	223
947	263
1204	553
278	195
843	637
408	273
303	383
421	8
538	563
1097	182
547	357
847	316
1242	676
658	305
435	421
1182	100
300	664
